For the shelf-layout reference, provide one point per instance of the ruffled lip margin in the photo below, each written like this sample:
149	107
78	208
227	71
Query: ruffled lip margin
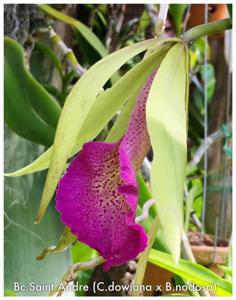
97	196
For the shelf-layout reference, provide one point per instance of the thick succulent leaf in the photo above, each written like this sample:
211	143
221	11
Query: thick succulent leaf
42	102
23	241
166	120
83	29
106	105
192	272
29	109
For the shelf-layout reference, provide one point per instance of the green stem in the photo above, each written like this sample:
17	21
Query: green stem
206	29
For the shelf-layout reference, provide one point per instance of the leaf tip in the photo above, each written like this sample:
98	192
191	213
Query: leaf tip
38	218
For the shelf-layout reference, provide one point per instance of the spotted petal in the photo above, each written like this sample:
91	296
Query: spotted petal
97	196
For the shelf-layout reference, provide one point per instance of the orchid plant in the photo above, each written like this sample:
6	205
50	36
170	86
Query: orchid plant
97	190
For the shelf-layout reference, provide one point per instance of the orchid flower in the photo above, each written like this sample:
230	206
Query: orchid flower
97	196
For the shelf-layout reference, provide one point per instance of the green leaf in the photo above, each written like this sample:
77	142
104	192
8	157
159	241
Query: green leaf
44	105
192	272
29	109
143	23
177	12
83	29
166	121
22	239
89	54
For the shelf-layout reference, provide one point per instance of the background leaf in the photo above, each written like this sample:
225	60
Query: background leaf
177	13
83	29
29	109
23	241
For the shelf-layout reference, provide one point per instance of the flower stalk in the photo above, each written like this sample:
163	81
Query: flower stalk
206	29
